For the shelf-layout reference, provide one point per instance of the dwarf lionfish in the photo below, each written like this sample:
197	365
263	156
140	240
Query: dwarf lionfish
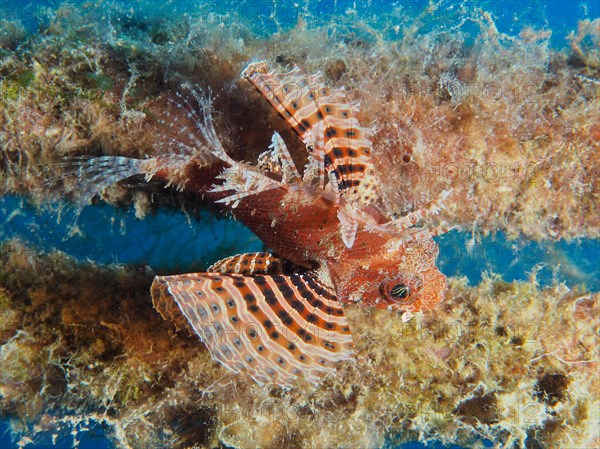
278	316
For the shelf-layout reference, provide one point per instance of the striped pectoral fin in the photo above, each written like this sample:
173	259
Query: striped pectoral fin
322	117
276	328
287	92
164	304
347	152
253	264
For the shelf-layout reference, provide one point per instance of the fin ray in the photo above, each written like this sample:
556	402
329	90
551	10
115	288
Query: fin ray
304	101
276	328
252	264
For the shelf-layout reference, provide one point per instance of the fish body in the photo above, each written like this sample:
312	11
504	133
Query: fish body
278	316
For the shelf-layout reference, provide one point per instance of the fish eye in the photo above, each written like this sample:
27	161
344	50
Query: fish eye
400	291
397	292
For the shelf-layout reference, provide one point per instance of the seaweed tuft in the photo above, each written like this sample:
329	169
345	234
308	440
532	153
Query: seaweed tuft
84	340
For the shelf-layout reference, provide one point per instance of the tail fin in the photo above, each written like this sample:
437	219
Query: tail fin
198	142
94	174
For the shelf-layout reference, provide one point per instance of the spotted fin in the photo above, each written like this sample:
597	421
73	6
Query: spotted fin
252	264
276	328
308	106
168	309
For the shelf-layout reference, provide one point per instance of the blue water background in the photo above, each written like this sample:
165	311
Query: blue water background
270	16
168	241
95	438
171	242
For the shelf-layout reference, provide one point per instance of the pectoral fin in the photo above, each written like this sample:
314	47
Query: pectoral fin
276	328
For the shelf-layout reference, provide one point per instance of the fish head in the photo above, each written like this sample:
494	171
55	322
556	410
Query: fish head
407	291
405	279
